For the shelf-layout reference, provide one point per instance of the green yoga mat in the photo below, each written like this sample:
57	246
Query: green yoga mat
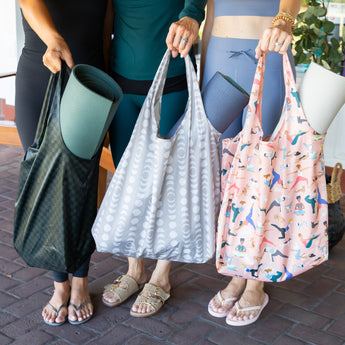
88	105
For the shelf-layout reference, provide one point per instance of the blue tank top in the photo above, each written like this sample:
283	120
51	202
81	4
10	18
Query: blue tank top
263	8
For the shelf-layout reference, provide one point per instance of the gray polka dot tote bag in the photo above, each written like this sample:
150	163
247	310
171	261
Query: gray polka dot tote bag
163	200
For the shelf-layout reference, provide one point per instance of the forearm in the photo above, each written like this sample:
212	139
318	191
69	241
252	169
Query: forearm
290	6
206	34
194	9
38	17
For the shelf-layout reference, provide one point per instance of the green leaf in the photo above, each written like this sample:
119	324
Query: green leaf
316	31
319	11
335	43
298	49
337	69
308	14
328	26
336	57
298	32
325	64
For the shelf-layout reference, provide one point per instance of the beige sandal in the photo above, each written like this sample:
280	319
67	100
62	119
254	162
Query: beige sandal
157	297
122	293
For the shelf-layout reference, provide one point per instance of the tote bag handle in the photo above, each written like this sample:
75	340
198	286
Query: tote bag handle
156	91
53	93
257	92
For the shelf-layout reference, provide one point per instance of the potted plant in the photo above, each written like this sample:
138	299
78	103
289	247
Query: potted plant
314	41
322	90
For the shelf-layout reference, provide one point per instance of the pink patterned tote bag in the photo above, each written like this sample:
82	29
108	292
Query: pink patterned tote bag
273	219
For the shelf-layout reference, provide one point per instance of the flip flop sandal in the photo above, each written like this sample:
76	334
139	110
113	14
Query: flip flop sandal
56	311
122	293
76	309
157	297
249	321
223	301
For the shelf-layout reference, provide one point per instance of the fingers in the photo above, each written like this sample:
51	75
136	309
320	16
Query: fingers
258	50
52	60
56	51
274	39
181	36
67	56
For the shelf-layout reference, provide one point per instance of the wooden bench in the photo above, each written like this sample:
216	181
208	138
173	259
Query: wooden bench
9	136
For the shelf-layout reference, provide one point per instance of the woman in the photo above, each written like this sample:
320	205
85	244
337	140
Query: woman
136	51
236	32
51	27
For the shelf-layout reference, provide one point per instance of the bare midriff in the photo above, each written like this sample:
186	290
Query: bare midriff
244	27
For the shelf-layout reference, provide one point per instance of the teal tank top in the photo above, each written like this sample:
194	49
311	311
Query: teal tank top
140	30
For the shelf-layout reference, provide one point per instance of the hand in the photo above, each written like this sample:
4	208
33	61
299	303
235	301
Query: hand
57	50
275	39
181	36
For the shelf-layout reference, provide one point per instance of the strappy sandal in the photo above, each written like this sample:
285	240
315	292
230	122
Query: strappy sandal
56	311
122	293
156	299
222	301
76	309
248	321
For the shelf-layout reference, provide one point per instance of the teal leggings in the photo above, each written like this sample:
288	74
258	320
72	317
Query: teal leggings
173	106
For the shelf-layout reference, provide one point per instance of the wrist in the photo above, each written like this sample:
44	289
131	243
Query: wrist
54	39
284	18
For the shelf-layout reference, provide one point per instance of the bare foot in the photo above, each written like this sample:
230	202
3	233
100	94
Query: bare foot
111	297
248	307
223	301
160	278
60	298
80	298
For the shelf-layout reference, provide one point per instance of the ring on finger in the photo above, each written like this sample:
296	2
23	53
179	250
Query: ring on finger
184	40
278	44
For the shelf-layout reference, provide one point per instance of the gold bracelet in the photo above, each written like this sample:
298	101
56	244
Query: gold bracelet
287	17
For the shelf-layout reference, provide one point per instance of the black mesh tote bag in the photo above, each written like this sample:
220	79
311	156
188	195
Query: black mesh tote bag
57	194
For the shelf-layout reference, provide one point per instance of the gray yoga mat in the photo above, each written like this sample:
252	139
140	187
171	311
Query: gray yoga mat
88	105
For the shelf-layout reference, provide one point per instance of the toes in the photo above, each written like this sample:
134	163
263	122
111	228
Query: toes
48	316
110	297
82	315
59	319
141	308
89	310
72	315
135	308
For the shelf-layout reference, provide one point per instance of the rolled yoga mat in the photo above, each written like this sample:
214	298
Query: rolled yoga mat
322	94
88	105
223	101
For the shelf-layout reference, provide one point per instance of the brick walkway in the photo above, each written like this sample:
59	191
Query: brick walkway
309	309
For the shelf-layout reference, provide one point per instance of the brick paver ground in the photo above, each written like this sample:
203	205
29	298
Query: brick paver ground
309	309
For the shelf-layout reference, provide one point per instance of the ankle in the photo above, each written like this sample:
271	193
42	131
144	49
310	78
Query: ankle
237	285
254	286
62	288
136	269
161	281
79	284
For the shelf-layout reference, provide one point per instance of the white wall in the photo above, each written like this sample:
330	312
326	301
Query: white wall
9	49
334	148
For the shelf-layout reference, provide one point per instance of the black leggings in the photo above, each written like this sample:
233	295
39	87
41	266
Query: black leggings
81	272
31	84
